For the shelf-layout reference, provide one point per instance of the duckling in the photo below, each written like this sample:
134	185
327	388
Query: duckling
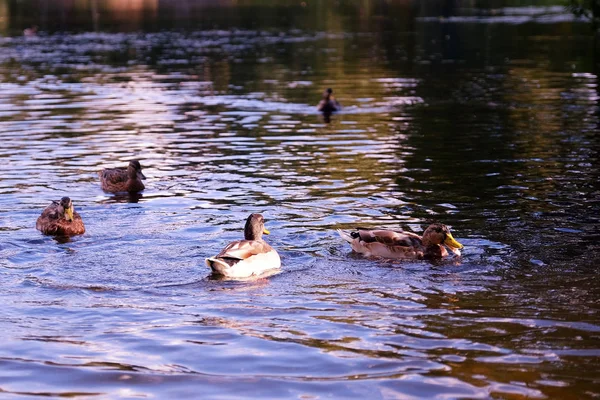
403	245
329	104
128	179
61	219
248	257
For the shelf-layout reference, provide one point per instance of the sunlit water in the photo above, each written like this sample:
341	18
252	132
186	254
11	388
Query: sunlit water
447	121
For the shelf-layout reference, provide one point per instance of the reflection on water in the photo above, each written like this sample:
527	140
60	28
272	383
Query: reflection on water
443	120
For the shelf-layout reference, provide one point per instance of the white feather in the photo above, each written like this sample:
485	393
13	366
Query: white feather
345	235
252	266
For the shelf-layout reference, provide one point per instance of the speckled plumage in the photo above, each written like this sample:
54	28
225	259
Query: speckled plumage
115	180
55	219
393	244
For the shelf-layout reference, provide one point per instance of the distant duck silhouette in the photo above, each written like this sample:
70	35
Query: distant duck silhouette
61	219
30	32
115	180
329	104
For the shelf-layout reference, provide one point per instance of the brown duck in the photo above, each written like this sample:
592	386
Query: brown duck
60	219
128	179
328	104
403	245
244	258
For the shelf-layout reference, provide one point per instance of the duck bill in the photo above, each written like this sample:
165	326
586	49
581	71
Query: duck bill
69	213
141	176
266	231
452	243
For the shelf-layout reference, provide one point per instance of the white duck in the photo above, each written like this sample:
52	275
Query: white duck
249	257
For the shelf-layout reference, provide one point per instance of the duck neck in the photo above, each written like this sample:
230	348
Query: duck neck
427	242
433	251
131	173
251	233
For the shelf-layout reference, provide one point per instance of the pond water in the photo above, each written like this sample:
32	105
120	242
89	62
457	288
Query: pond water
483	119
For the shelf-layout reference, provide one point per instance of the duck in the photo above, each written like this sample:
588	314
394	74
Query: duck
115	180
60	219
402	245
30	32
249	257
328	104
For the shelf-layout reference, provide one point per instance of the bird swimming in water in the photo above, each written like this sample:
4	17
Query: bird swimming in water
115	180
30	32
248	257
393	244
328	104
60	219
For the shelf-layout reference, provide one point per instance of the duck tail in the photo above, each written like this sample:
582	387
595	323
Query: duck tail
345	235
217	266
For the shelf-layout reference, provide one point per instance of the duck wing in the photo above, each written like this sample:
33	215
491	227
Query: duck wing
52	211
244	249
388	237
384	243
114	175
321	105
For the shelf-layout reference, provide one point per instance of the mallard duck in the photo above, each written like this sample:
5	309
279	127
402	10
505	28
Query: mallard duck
403	245
128	179
329	104
61	219
244	258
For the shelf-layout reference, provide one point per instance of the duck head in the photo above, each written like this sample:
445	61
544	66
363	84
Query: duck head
255	227
134	170
67	208
437	234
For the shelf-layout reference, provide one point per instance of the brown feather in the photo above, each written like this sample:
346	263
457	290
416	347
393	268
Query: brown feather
328	104
397	244
390	238
117	180
53	222
128	179
243	249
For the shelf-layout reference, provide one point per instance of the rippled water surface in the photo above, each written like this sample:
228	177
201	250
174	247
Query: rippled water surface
486	120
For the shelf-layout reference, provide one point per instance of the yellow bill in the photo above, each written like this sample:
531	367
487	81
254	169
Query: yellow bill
266	231
451	242
69	213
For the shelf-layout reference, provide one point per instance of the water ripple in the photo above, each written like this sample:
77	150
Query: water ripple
224	123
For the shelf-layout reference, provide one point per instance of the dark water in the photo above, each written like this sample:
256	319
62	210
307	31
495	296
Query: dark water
485	119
